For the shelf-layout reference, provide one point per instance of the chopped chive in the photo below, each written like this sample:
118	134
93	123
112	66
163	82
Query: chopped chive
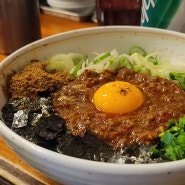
153	59
167	138
172	141
179	78
137	49
79	65
102	57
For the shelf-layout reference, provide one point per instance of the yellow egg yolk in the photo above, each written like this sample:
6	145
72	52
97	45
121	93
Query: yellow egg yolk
118	97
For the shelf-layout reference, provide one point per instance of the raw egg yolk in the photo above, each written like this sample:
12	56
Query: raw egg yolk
118	97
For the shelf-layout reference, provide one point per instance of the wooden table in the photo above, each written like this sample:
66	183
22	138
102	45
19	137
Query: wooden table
12	168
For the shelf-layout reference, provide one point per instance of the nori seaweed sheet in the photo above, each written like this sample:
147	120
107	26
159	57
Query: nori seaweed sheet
50	132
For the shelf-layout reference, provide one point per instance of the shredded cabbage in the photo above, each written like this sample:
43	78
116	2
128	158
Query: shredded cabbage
136	59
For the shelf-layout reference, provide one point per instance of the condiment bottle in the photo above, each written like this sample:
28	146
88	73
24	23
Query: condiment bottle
19	24
118	12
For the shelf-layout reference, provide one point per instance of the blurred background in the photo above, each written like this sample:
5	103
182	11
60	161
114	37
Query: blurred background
18	28
70	9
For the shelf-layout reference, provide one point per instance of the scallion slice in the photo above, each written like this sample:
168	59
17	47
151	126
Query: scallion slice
102	57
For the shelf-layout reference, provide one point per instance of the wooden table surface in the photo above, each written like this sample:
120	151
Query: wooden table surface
13	170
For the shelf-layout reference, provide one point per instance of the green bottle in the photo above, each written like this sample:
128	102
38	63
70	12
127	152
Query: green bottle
160	13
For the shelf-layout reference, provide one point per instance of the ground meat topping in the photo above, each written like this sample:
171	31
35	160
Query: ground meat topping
34	79
164	100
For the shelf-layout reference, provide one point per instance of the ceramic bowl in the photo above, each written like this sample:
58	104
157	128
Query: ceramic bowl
73	5
73	171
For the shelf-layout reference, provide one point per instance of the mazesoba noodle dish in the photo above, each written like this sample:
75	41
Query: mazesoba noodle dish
116	108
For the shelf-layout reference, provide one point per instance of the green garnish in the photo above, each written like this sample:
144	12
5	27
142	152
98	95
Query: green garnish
153	59
79	65
172	141
137	49
179	78
102	57
124	62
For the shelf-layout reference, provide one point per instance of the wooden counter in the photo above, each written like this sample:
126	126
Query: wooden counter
12	169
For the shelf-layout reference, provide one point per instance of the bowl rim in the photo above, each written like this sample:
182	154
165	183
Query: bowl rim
93	30
88	165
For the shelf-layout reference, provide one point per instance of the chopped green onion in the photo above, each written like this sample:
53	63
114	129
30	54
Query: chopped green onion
175	76
153	59
79	65
102	57
172	141
179	78
182	123
137	49
167	138
180	140
124	62
154	150
173	153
